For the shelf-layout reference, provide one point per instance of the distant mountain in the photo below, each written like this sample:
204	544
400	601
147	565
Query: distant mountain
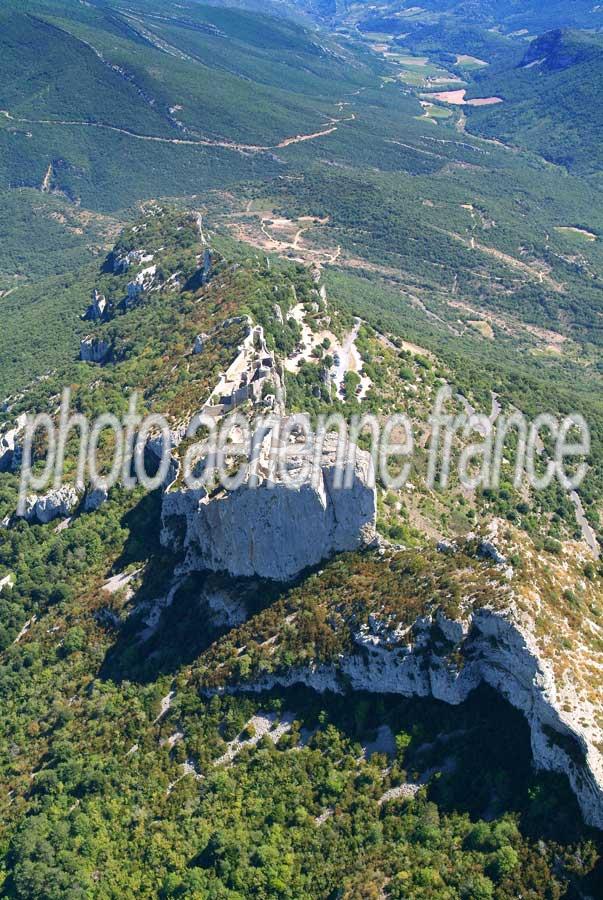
487	29
516	14
559	50
506	14
551	100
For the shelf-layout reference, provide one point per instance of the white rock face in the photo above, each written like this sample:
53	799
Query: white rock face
273	531
143	282
98	307
10	449
122	262
6	582
423	661
55	505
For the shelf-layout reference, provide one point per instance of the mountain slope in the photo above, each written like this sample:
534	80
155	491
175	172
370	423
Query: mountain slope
511	16
550	103
488	30
118	740
416	719
85	88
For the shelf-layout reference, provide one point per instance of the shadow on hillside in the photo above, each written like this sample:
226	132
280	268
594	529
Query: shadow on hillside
473	759
168	622
144	651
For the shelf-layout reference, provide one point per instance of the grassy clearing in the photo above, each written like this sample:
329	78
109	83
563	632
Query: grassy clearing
578	234
470	62
409	60
432	111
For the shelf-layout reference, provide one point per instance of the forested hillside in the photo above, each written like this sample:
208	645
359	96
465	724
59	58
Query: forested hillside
489	30
107	107
535	15
549	100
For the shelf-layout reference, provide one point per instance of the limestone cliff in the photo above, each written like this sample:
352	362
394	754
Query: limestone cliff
10	446
57	504
421	625
447	659
94	350
273	530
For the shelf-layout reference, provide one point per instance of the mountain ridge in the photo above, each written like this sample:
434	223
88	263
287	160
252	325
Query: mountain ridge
274	694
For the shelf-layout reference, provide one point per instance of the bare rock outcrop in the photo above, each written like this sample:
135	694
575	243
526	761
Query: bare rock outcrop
141	284
10	446
207	266
273	530
447	659
99	309
95	498
122	261
94	350
57	504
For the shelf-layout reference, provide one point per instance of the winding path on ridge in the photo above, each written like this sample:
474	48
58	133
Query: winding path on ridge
329	128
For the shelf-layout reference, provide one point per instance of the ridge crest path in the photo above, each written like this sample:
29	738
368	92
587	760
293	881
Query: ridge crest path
329	129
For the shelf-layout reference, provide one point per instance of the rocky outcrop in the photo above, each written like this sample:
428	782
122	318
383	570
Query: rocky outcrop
226	608
200	342
94	350
143	283
207	266
273	530
155	447
447	659
57	504
94	499
121	261
448	547
99	309
489	550
554	51
7	582
10	446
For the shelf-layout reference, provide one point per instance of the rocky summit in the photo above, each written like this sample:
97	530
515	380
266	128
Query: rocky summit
271	529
